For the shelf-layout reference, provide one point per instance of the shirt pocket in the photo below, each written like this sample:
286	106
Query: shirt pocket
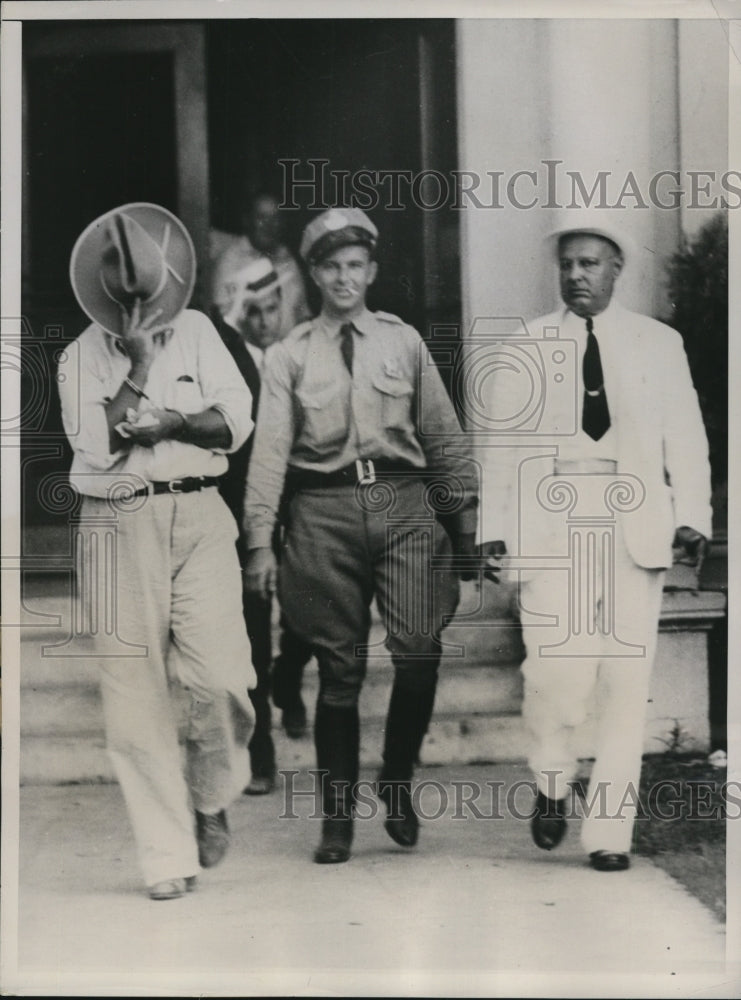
324	416
184	395
396	400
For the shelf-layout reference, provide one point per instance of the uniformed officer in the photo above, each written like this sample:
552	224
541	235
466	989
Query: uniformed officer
355	420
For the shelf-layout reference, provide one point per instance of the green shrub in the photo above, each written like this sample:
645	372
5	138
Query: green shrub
698	288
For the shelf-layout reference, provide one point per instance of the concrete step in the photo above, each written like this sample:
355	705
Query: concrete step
463	739
75	709
477	708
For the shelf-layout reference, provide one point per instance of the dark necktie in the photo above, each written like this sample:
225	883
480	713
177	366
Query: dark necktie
347	345
595	417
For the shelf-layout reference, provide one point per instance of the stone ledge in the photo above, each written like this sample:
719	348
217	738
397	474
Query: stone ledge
684	609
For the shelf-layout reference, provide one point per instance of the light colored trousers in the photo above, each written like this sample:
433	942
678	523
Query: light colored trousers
561	687
176	590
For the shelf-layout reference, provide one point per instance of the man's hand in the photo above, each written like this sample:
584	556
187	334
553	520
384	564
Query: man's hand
491	554
260	574
138	336
152	427
689	547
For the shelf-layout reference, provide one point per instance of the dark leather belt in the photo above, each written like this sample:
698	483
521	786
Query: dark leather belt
364	471
190	484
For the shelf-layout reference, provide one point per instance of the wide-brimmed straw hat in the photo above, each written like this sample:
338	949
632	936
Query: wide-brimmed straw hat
137	251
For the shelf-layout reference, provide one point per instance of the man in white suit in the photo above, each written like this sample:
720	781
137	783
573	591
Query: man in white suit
590	509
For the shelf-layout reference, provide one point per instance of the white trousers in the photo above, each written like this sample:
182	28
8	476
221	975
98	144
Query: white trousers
604	652
175	584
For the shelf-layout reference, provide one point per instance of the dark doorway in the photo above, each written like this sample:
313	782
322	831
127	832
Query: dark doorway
115	111
370	95
111	115
96	138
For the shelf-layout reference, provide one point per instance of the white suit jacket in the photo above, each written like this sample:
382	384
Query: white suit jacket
659	435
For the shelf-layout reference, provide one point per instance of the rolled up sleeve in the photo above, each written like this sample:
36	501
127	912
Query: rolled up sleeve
223	387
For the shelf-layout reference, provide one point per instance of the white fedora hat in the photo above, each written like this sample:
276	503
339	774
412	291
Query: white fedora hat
592	223
137	251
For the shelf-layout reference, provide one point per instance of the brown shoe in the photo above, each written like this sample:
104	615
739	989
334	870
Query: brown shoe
213	837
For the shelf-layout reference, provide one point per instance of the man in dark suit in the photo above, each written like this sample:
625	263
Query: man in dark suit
250	327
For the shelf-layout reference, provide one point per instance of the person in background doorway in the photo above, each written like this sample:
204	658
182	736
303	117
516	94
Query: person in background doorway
261	224
249	329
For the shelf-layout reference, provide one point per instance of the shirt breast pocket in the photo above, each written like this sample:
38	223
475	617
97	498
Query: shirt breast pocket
324	415
396	401
185	395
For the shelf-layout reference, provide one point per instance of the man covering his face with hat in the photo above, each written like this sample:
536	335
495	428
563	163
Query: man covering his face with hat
622	440
251	326
355	422
152	404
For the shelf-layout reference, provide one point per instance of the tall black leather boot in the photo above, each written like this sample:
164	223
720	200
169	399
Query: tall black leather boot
337	738
408	717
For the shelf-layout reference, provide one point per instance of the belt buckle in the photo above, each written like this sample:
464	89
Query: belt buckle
366	471
175	486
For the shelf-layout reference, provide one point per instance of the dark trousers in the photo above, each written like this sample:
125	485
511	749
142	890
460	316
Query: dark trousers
294	654
344	547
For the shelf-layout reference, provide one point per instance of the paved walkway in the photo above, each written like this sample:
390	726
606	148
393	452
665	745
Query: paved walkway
476	909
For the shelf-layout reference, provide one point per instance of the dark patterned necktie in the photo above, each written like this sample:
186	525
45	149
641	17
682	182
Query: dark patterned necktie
595	418
347	345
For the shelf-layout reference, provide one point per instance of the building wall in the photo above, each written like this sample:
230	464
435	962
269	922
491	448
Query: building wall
596	95
703	107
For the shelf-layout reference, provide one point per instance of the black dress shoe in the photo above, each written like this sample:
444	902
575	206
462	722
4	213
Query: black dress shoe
260	784
609	861
294	719
337	834
548	824
402	822
213	837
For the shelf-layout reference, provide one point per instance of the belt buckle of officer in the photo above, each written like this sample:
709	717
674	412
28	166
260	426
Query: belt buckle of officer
175	486
366	471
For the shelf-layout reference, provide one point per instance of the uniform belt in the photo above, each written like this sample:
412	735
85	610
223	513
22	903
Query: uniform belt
363	471
565	467
189	484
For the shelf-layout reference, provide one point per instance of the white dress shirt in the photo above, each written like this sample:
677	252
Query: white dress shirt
192	371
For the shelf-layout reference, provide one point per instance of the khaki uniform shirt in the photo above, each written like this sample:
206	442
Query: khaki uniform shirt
314	415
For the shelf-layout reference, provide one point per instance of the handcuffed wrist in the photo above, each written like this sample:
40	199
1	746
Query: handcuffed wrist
135	388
